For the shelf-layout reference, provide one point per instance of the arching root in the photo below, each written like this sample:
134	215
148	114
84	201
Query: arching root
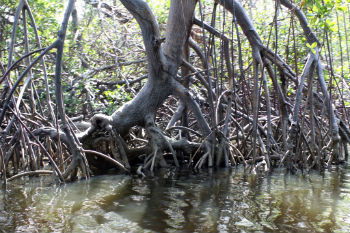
159	143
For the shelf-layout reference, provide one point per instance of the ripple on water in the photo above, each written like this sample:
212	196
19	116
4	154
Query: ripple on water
222	201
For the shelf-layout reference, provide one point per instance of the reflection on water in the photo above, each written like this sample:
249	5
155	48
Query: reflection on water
211	201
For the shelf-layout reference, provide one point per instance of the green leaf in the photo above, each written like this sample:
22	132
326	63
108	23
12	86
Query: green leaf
342	8
314	45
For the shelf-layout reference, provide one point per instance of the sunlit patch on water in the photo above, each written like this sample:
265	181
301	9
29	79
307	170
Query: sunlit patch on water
220	201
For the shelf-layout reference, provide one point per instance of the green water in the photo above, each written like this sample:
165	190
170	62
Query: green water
209	201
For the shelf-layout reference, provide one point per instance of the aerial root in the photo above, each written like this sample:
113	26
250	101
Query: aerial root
159	143
79	161
31	173
207	156
112	160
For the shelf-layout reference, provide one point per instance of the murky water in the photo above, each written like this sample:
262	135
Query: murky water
209	201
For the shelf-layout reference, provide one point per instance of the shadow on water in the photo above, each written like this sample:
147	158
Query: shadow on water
228	200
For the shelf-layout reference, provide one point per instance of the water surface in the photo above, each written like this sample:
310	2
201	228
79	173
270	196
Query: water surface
228	200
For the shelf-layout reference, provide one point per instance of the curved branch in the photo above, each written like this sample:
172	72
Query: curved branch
7	101
311	37
309	34
184	94
199	52
247	26
21	5
77	154
30	173
115	162
243	20
150	33
18	61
